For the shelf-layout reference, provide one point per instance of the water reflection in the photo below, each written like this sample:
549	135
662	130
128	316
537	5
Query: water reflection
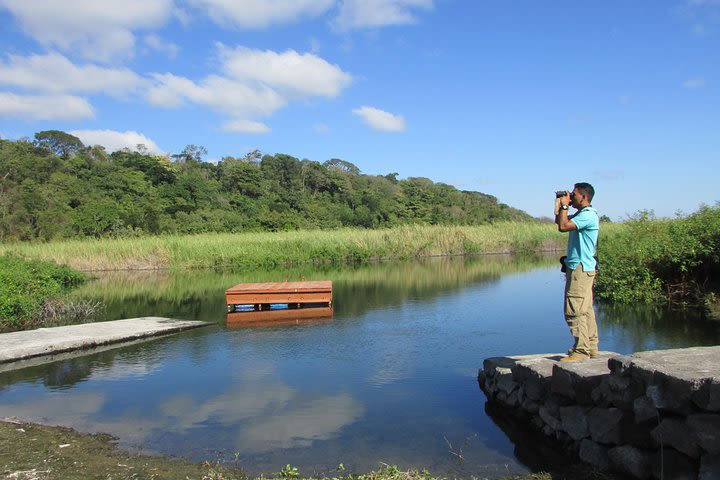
386	375
199	295
277	318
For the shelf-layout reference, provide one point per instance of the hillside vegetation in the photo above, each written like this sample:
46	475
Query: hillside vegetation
653	260
56	187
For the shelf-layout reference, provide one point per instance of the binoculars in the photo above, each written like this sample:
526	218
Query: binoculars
562	193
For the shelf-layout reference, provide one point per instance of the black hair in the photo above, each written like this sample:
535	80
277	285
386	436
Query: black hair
586	189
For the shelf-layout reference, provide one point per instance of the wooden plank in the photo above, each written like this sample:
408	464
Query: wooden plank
280	297
274	287
280	292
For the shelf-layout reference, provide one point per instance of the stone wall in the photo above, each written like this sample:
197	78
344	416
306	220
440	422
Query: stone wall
652	414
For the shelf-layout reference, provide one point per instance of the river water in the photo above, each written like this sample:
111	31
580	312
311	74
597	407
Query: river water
389	378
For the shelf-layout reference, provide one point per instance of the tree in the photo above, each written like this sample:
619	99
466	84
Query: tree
58	142
191	153
336	163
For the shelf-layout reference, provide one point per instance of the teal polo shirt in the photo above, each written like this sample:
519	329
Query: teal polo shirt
582	242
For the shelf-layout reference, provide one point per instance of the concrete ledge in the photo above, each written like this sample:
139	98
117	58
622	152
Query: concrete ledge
48	341
653	414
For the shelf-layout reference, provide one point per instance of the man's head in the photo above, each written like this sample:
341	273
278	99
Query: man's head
584	193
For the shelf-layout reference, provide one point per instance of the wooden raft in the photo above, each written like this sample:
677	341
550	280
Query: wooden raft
263	296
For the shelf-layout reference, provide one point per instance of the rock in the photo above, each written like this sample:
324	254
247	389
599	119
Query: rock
529	405
503	380
644	409
705	430
631	460
709	467
708	395
574	421
576	380
626	366
605	425
670	395
550	417
638	434
535	374
669	464
594	454
678	378
538	422
513	399
482	379
492	363
674	432
618	391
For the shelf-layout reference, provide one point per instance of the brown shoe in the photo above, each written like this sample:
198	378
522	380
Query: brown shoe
593	353
575	357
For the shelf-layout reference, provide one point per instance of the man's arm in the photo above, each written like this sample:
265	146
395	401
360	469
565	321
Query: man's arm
561	214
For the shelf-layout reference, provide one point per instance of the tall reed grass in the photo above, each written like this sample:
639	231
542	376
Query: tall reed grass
272	249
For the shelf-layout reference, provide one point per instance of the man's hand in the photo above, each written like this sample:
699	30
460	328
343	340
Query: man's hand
564	200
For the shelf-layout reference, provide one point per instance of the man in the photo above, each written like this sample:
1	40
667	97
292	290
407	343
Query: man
580	266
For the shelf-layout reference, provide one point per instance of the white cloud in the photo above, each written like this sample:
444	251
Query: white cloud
156	43
93	29
255	83
113	140
380	120
245	126
55	73
219	93
694	83
44	107
254	14
356	14
290	71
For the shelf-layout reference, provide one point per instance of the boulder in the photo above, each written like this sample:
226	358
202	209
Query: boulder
669	464
605	425
705	430
632	461
644	409
577	380
574	421
674	432
594	454
535	374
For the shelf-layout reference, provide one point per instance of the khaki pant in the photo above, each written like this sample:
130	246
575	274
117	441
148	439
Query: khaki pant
579	313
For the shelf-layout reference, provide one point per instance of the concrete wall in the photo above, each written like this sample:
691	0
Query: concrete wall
649	415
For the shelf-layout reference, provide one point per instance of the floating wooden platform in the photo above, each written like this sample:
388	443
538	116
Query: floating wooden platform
263	296
274	318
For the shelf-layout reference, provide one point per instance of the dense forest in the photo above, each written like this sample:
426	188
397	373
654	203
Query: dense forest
56	187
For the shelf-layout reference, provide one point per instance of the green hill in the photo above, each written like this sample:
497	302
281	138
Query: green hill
56	187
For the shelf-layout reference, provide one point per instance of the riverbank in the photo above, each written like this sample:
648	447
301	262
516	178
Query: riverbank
32	451
273	249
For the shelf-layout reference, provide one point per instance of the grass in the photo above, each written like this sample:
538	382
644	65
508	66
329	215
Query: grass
31	291
272	249
655	260
32	451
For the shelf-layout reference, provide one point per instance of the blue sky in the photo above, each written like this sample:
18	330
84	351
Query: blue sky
514	98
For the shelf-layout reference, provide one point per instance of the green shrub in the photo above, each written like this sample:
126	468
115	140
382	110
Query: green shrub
26	285
653	260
